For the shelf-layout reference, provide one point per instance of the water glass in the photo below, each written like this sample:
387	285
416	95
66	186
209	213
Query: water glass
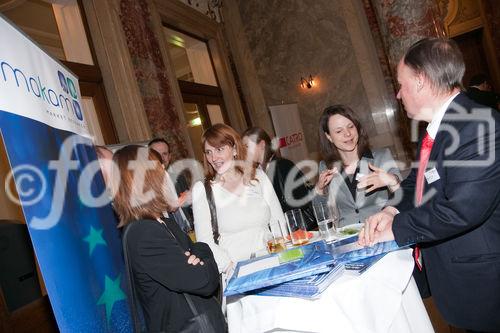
327	217
297	227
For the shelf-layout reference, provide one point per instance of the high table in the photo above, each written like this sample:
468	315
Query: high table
383	299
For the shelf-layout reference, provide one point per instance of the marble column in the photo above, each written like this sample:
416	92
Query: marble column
395	26
403	22
151	74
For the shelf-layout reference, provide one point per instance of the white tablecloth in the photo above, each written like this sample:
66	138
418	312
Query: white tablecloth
383	299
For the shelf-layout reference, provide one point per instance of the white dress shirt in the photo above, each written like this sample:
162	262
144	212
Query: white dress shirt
433	126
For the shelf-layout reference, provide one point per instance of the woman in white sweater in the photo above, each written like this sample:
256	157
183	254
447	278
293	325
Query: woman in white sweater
244	198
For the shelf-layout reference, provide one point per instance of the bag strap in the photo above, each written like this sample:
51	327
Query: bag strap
186	296
213	210
133	295
191	304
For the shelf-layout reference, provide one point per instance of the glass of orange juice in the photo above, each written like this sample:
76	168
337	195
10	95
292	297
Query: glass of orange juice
297	227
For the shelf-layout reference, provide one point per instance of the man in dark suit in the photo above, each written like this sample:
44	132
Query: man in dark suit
479	90
180	181
163	148
451	203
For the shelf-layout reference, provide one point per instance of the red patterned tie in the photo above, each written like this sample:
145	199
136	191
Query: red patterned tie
425	152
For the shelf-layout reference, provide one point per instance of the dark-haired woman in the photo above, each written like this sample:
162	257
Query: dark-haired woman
360	180
165	263
292	191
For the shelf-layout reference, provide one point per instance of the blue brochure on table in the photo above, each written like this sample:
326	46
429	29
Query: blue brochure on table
307	287
360	266
350	257
273	269
348	250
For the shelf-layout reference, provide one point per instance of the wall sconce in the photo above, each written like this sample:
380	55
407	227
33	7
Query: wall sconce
307	83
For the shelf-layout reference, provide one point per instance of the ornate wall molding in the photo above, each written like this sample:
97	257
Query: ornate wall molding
460	16
182	17
210	8
6	5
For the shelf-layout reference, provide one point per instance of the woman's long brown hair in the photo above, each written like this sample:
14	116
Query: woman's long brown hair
130	163
257	135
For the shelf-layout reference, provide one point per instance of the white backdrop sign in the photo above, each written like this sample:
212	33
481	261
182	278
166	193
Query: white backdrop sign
292	143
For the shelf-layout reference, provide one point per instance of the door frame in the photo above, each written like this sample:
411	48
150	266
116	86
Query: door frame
179	16
201	95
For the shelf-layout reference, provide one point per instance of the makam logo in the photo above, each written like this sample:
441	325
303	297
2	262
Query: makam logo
67	101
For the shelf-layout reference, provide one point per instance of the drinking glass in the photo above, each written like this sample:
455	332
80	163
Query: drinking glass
297	227
327	216
275	239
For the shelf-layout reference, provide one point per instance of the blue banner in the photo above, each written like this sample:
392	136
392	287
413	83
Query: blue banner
61	190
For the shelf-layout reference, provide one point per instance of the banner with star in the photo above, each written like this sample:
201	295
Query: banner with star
61	190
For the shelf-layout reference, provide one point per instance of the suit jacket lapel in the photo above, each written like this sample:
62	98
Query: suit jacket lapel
364	169
438	140
343	194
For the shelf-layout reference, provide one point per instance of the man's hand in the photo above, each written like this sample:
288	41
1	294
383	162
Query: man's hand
378	227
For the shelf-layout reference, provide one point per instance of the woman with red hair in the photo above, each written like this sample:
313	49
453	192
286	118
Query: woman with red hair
244	198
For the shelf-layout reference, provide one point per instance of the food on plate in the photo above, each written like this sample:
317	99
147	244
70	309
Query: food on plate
349	231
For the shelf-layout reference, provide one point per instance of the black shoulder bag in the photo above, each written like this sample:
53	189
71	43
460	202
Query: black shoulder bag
213	210
215	230
200	322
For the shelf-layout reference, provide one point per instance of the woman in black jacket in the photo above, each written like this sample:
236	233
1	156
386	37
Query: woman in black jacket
164	261
292	193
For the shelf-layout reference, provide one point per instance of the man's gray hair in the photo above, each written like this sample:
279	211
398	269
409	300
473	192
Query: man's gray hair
440	60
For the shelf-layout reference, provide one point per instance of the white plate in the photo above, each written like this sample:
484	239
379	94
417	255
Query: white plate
315	237
355	226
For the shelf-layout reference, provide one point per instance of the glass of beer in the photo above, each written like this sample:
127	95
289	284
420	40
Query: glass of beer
275	239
